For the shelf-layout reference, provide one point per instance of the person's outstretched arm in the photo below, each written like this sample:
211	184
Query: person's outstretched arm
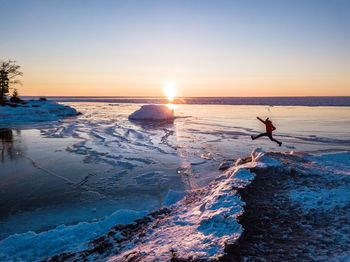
260	119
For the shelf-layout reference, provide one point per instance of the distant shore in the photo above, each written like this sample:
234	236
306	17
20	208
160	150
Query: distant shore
264	101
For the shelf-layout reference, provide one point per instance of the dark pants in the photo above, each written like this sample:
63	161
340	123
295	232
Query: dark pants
269	135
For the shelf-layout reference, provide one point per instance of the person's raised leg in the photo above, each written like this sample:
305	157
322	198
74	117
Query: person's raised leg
260	135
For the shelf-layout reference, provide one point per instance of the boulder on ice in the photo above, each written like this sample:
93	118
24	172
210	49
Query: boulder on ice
153	113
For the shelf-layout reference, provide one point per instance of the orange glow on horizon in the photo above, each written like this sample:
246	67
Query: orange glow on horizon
35	84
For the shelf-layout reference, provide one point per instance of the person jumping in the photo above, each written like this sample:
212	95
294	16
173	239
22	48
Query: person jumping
269	128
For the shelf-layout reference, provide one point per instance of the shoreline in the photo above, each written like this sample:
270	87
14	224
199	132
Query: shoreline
262	213
275	229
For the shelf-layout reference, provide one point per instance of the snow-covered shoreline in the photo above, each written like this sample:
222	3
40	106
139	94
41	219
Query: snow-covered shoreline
300	213
34	111
207	223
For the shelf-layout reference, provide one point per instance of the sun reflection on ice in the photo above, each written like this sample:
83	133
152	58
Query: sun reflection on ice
171	106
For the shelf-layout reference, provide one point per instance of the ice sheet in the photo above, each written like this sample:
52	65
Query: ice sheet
100	158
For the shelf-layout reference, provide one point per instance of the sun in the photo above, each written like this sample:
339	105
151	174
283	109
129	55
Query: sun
170	90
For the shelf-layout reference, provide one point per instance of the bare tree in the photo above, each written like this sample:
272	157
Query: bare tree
9	71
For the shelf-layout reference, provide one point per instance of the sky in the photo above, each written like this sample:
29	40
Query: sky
206	48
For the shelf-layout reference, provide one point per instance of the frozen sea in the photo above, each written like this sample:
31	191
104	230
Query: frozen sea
85	168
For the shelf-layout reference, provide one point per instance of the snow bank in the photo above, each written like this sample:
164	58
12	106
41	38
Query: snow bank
153	113
35	111
31	246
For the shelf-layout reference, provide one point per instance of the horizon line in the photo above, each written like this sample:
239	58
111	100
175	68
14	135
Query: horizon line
179	97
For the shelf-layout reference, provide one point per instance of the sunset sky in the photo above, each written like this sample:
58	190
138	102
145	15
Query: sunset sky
207	48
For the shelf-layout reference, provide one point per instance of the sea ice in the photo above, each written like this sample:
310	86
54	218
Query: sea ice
153	112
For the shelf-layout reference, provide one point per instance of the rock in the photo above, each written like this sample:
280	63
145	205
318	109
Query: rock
225	165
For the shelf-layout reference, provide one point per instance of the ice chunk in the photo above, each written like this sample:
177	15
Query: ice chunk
173	196
243	174
153	113
259	156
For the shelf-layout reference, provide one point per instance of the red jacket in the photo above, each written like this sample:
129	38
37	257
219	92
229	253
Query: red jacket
269	126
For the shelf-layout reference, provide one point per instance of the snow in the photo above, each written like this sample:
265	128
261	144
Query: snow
334	168
338	163
153	112
35	111
200	224
325	198
32	246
